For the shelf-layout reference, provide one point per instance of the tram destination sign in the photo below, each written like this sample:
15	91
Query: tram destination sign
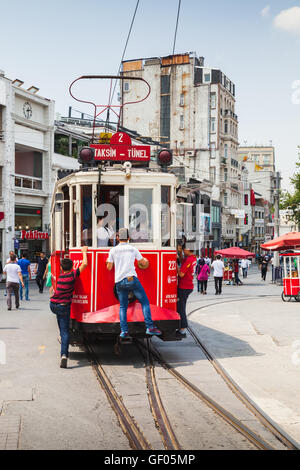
135	153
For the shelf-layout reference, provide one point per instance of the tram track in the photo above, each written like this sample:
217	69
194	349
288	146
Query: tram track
251	436
283	437
151	355
135	436
162	421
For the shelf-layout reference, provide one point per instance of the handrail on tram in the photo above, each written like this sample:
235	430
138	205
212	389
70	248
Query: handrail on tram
108	106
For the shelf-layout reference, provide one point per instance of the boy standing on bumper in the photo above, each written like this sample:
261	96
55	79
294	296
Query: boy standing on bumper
60	302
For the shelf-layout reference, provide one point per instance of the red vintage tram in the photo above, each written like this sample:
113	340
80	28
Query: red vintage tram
114	195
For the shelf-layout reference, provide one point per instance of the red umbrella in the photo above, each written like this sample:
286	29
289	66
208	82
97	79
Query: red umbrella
288	240
235	252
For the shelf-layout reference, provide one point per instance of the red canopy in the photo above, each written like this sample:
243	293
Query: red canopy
235	252
286	241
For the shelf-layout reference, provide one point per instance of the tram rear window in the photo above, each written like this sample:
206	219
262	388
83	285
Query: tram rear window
110	214
140	215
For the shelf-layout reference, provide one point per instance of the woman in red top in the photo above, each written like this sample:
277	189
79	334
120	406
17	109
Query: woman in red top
185	286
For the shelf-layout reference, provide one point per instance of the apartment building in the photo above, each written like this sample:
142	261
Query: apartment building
191	110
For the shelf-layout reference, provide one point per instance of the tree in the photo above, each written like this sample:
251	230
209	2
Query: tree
291	201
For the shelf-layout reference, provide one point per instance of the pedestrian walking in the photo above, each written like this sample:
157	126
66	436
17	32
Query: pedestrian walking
48	276
245	267
264	267
9	258
202	277
207	260
24	264
60	302
122	258
236	268
13	277
218	267
40	271
185	286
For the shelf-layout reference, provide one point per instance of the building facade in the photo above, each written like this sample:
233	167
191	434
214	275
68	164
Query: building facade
191	110
26	148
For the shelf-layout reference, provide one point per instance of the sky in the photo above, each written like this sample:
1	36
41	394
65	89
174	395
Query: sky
256	43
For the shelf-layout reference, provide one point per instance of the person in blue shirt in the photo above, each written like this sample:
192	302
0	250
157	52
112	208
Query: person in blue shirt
24	264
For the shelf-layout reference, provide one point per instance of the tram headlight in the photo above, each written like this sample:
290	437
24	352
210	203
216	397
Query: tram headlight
164	157
86	155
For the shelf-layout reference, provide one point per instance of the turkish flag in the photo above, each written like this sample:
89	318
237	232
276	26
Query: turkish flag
1	216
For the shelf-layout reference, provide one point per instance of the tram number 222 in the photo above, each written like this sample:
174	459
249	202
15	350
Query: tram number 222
172	265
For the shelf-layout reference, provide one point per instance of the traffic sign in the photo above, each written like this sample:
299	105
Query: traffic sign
105	138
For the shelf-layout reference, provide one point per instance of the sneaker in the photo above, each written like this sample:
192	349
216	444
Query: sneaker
124	334
63	361
180	334
153	331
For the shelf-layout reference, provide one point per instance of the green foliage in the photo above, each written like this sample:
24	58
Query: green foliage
291	201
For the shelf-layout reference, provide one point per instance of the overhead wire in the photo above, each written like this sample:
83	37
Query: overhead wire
176	27
123	55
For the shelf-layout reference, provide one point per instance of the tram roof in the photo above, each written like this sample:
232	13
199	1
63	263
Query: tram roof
117	175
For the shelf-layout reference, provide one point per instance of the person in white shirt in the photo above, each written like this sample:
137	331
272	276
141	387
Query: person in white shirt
218	267
122	257
207	261
104	234
11	253
245	266
13	278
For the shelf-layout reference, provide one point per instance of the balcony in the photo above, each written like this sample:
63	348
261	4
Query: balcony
229	113
28	182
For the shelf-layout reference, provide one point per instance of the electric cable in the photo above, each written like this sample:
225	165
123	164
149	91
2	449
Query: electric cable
175	35
124	51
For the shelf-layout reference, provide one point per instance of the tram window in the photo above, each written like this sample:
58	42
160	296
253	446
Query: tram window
110	214
66	208
86	215
166	216
140	215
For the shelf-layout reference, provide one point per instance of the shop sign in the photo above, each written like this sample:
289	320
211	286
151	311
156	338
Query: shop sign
34	235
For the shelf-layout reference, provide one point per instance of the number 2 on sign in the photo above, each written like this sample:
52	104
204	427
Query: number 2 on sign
120	137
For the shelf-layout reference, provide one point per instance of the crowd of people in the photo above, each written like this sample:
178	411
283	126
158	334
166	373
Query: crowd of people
122	258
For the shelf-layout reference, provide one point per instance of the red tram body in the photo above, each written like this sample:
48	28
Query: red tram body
95	307
120	185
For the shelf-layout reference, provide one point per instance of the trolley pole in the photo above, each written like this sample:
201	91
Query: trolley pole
276	214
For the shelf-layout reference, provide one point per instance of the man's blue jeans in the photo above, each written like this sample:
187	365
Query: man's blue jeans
123	287
62	313
26	283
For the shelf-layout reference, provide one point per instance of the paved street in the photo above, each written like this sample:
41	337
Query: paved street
45	407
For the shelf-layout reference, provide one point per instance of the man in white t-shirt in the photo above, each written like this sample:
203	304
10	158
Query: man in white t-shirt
122	257
218	267
104	234
245	266
11	253
13	278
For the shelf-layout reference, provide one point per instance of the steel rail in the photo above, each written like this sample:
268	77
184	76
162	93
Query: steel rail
135	436
251	436
160	416
279	433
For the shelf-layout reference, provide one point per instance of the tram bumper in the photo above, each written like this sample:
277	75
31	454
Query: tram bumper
106	322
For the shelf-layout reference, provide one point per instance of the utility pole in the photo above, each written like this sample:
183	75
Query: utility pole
276	214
